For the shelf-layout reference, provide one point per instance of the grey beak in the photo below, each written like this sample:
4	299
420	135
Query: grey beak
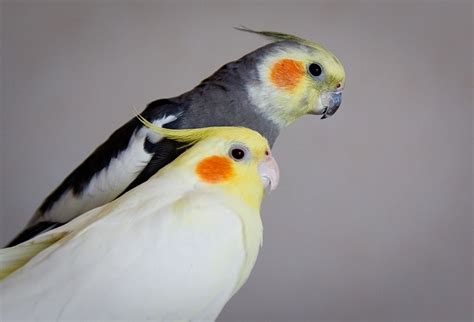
331	101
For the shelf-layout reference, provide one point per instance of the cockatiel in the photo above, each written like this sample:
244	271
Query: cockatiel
265	90
177	247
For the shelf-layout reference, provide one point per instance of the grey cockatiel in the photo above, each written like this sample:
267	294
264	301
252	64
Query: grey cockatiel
265	90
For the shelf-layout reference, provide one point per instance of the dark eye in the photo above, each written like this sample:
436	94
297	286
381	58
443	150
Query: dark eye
315	69
237	153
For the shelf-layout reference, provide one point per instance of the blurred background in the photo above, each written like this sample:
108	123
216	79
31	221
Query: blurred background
373	217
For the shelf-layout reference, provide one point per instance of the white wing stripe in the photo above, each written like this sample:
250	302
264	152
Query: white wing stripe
112	180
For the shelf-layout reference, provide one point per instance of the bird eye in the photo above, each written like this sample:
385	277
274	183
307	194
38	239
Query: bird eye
315	69
238	152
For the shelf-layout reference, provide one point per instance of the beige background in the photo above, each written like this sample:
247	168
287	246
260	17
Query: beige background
373	218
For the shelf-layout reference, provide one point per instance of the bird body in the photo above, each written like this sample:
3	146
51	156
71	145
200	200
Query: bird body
118	278
176	247
265	90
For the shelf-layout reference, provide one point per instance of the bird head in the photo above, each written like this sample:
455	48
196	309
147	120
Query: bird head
236	159
295	77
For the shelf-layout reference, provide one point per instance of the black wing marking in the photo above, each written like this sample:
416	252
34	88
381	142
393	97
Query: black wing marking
165	151
33	231
100	159
79	179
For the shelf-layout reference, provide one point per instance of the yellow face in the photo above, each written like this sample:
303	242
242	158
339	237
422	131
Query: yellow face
299	80
237	160
321	71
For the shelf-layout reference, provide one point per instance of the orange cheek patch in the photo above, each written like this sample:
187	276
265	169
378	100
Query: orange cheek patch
215	169
287	73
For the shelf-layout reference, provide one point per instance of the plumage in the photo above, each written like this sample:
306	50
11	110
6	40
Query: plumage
13	258
174	248
253	91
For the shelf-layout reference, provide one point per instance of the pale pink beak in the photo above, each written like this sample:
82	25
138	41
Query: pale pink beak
269	172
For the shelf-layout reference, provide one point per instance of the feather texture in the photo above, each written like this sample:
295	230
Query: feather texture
240	93
280	36
173	248
15	257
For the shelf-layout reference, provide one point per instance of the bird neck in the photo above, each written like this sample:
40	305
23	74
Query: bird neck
248	191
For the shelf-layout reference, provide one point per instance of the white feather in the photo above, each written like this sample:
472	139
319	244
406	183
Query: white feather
170	249
107	184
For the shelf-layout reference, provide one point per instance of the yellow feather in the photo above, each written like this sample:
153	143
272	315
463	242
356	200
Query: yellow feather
246	183
192	136
13	258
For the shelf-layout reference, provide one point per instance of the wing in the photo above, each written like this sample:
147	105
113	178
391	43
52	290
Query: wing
131	151
163	154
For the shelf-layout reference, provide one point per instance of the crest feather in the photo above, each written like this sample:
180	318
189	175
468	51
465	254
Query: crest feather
278	36
191	136
188	136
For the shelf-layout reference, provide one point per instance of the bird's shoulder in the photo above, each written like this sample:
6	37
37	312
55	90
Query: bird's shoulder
102	174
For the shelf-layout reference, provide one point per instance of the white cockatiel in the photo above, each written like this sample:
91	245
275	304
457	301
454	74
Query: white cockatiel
174	248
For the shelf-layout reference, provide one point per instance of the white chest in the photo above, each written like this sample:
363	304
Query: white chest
182	263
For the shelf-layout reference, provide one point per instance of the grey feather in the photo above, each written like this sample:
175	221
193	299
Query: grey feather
222	99
279	36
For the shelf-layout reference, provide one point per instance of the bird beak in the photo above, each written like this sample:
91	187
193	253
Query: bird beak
269	172
329	102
